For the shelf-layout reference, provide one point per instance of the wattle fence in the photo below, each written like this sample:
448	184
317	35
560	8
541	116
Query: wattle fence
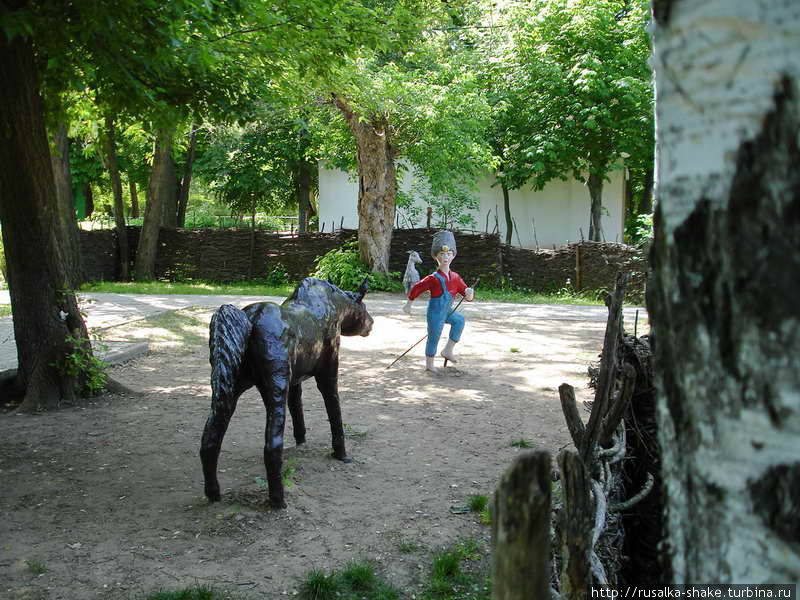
227	255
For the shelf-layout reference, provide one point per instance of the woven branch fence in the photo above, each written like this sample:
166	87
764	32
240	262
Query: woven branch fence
227	255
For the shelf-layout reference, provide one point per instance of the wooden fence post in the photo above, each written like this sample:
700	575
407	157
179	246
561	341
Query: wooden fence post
521	530
577	522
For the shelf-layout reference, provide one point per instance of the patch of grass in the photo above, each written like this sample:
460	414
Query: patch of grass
514	350
319	586
486	515
357	581
478	502
521	443
35	567
260	288
243	288
522	296
287	476
453	578
192	593
352	433
457	573
5	310
408	546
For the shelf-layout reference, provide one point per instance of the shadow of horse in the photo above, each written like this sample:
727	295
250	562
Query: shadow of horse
277	347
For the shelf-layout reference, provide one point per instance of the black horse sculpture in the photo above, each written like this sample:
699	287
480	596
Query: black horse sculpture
275	348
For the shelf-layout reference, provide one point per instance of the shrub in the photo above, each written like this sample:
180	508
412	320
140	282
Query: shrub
343	267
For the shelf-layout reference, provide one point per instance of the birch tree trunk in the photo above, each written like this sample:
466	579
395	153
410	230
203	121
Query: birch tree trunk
377	186
723	297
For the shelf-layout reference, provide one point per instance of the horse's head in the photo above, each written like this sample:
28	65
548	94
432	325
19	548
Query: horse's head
413	257
357	320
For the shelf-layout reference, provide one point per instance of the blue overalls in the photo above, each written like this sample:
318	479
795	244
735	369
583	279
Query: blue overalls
438	309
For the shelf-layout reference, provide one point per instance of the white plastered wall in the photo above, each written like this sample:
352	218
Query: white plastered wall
553	216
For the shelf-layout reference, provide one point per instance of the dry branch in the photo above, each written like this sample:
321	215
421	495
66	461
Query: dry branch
570	408
605	379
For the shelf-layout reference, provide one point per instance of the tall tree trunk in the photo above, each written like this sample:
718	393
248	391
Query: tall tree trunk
110	151
45	311
723	294
66	207
507	207
186	180
170	190
134	199
595	184
162	186
646	203
377	187
303	194
89	199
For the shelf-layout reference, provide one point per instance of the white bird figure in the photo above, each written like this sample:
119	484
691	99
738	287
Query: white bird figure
411	276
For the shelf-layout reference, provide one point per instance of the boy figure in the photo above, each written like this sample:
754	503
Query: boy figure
443	285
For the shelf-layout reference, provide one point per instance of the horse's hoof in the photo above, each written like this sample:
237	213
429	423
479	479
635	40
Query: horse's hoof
298	442
213	496
344	459
277	503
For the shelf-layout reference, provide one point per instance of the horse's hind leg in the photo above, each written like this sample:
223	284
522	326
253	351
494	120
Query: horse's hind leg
296	410
222	409
273	384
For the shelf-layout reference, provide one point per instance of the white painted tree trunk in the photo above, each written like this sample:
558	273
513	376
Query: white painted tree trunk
724	298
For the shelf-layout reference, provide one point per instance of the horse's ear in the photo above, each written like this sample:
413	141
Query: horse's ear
362	289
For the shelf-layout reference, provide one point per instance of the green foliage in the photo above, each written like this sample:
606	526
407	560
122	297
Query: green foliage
343	267
256	167
570	89
449	209
641	230
277	276
82	364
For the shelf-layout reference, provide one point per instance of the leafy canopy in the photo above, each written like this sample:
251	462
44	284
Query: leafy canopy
573	89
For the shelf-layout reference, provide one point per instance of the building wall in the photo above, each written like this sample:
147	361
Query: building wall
551	217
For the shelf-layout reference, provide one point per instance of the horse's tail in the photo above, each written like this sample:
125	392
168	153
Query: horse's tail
227	341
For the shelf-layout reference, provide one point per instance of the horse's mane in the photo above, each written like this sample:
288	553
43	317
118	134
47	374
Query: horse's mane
311	290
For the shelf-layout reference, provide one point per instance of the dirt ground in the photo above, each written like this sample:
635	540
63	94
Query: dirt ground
106	500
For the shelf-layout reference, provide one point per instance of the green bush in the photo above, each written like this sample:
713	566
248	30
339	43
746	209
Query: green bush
343	267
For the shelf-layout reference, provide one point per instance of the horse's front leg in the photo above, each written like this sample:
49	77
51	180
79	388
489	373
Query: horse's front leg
273	385
328	385
296	410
